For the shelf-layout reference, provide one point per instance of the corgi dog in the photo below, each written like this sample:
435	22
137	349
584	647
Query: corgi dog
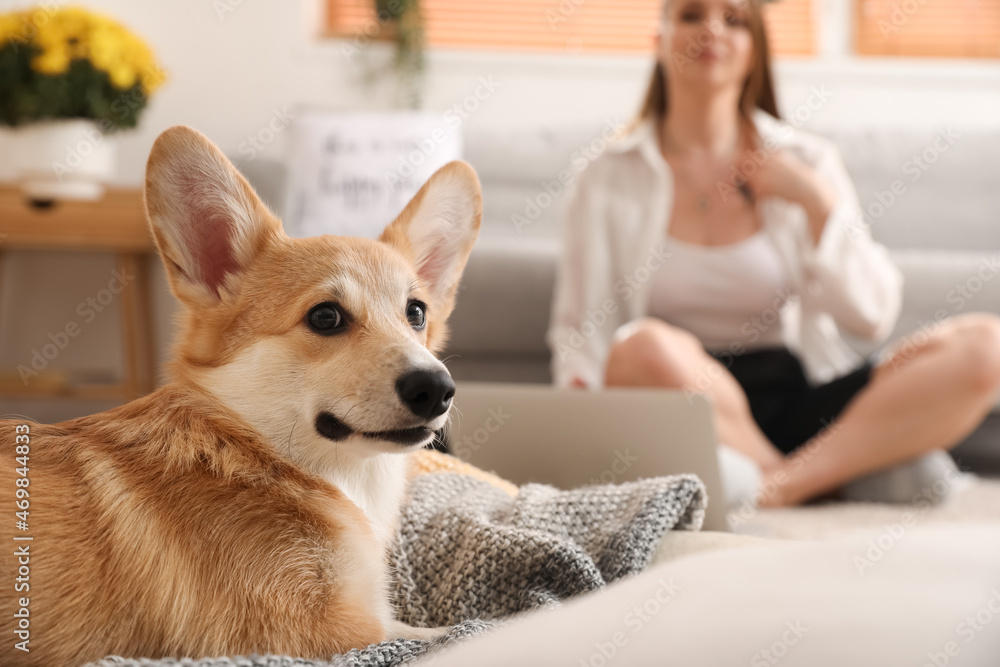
247	505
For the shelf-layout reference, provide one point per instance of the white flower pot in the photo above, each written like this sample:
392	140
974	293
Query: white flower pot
61	159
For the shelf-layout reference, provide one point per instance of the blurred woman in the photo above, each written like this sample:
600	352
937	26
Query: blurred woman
718	250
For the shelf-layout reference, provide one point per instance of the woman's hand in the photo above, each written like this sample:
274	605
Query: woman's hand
786	176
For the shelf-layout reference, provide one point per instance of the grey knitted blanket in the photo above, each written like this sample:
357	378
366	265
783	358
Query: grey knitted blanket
467	555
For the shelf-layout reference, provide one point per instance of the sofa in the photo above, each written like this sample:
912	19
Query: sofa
931	196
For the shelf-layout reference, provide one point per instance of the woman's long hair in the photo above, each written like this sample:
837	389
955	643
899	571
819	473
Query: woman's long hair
758	91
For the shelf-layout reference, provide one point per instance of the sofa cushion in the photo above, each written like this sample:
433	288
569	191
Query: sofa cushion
950	199
520	171
505	298
942	284
898	596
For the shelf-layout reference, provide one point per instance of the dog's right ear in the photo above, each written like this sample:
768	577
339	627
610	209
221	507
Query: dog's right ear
208	222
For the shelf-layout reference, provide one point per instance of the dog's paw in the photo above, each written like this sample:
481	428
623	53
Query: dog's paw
399	630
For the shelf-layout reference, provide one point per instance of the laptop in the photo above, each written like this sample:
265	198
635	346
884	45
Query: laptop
570	438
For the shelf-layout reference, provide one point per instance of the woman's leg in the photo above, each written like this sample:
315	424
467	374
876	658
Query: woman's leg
651	353
932	392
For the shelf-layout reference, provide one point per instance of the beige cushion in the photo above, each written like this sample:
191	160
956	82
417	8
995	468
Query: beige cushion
930	596
680	543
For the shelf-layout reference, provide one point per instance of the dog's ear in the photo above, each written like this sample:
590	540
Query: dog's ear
207	221
437	230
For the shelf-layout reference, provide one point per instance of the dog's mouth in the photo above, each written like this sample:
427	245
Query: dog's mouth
331	428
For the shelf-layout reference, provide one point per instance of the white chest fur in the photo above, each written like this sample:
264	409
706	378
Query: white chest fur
375	484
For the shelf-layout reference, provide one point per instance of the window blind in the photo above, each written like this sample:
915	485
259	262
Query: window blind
561	26
935	28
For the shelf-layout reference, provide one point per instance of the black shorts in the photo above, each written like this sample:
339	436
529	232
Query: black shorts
788	410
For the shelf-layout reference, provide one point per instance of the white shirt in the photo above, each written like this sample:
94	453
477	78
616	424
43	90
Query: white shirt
725	294
614	231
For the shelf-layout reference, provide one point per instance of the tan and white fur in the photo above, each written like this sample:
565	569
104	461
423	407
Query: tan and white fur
247	505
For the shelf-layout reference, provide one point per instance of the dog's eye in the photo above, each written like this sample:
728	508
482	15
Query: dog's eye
415	313
325	318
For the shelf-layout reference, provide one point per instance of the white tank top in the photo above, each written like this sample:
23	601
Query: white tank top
723	294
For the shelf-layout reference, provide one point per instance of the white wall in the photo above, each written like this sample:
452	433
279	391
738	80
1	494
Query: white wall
230	73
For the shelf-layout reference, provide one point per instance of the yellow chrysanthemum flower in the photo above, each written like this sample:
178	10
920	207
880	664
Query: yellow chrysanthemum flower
103	48
73	33
10	27
122	76
51	61
73	23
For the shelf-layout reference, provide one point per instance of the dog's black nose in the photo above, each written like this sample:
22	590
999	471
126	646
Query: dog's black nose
426	393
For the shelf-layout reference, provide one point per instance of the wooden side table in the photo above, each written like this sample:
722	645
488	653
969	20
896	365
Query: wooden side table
116	224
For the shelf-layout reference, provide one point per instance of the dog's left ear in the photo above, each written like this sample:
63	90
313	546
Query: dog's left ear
437	230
